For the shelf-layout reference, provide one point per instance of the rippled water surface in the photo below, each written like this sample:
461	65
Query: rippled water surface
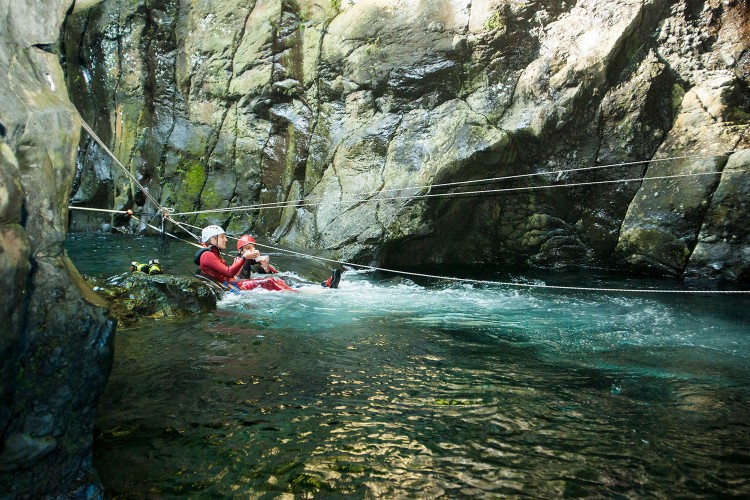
391	388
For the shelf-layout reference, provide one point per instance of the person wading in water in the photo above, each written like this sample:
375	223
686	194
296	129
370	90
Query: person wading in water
212	265
260	264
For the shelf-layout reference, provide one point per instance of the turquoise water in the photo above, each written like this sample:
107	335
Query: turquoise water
391	388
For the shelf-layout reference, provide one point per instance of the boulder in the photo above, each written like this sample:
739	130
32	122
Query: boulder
134	296
56	349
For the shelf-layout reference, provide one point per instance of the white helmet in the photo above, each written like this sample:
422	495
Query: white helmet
209	232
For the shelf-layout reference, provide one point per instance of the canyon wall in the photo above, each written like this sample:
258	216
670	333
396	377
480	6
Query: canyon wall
56	352
353	115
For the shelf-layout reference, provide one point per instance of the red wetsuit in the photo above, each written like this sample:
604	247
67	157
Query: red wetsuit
213	266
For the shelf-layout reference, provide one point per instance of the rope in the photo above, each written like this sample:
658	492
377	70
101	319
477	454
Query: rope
114	158
475	181
315	202
111	211
181	226
131	214
431	276
509	283
168	234
71	207
164	242
495	283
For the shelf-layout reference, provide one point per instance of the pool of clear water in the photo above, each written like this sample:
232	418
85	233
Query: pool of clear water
389	387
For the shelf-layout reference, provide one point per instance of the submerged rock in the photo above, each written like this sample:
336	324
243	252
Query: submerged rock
134	296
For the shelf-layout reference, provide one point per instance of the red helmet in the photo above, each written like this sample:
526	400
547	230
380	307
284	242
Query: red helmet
245	239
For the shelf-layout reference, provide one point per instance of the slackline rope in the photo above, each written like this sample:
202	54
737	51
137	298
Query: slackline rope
496	283
374	197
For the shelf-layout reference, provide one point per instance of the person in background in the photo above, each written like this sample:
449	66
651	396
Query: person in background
212	264
153	267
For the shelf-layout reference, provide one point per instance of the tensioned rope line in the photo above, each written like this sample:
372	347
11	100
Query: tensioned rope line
310	201
431	195
90	209
304	203
180	225
317	202
439	277
497	283
509	283
96	138
169	234
133	215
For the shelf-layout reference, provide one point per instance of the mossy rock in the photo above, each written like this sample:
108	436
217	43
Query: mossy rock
133	296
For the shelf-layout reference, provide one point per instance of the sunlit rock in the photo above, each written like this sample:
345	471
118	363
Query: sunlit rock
354	112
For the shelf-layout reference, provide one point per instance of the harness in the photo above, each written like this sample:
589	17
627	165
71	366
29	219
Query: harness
225	285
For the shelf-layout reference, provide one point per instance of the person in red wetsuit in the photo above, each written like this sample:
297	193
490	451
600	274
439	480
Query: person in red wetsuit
261	263
213	266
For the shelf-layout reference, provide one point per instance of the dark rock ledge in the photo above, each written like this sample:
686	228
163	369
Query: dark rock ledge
135	296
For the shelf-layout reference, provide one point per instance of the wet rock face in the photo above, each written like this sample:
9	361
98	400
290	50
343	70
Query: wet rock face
361	108
136	296
55	351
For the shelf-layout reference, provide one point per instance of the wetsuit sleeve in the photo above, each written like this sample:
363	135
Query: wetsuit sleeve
212	264
247	270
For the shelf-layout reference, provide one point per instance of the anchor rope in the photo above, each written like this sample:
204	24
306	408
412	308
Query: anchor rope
311	202
161	230
494	283
96	138
182	225
168	213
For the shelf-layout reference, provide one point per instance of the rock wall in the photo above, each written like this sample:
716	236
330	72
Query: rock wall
351	113
56	349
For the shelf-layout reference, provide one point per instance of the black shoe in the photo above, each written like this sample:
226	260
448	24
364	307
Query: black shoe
333	281
335	278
